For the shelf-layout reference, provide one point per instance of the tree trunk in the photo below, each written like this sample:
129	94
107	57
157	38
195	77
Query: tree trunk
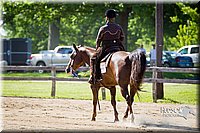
123	21
54	34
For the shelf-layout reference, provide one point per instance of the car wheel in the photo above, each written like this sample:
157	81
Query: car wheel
166	64
40	64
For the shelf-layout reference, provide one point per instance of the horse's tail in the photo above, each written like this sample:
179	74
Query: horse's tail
138	67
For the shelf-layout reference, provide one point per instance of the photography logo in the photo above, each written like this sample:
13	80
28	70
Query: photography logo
176	111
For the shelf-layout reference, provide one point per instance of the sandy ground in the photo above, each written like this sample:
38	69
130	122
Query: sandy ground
32	114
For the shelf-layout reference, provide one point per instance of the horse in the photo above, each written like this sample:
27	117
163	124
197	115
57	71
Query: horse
123	69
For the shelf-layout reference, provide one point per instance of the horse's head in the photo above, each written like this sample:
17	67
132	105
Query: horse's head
76	59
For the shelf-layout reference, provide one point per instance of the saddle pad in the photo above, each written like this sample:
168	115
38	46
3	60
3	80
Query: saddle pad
104	62
103	67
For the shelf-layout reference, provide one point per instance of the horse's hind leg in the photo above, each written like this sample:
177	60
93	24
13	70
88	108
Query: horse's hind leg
133	90
95	91
125	94
113	101
129	99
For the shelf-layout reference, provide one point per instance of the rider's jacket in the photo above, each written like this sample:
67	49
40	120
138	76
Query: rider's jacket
110	34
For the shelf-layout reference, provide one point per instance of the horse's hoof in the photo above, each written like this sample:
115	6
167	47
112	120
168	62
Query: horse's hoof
125	116
132	118
116	120
93	119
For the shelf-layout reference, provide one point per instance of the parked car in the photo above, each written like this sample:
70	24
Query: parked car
174	59
173	54
60	56
191	51
181	61
184	61
167	60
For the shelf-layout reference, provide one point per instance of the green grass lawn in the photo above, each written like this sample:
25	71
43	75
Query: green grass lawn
174	93
34	74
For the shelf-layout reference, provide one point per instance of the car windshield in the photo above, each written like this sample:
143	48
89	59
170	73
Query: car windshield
167	55
172	54
65	51
184	51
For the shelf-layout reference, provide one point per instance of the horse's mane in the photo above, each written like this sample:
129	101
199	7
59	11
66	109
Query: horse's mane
86	48
89	48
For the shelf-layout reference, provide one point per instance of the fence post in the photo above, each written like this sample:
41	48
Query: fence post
154	88
53	75
103	90
159	46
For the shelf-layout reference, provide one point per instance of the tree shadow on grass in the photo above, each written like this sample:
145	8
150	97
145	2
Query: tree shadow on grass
170	100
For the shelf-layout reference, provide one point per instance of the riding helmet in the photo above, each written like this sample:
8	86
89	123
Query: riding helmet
110	13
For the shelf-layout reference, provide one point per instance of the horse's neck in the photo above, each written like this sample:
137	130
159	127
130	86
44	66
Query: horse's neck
88	55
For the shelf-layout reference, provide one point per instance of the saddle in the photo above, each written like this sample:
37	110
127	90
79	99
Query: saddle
110	50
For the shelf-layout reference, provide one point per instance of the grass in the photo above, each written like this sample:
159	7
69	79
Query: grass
174	75
33	74
174	93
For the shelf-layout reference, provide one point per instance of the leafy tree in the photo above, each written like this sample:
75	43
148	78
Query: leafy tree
187	33
141	28
79	23
20	20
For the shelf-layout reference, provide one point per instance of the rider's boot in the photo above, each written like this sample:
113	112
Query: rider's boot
98	73
92	78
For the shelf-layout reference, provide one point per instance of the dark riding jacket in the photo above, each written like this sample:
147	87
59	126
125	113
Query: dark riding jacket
109	35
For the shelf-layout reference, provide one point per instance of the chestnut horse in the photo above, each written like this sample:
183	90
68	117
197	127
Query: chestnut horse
123	69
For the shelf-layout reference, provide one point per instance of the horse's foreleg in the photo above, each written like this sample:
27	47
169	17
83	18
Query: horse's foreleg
95	98
113	101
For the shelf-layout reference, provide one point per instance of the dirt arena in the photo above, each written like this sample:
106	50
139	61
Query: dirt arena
32	114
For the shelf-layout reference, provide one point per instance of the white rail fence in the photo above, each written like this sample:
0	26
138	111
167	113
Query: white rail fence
53	77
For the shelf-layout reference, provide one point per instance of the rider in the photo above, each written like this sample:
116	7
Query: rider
109	39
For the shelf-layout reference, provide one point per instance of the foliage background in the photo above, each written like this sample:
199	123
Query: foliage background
79	23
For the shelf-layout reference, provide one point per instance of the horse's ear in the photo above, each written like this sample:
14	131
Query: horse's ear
75	48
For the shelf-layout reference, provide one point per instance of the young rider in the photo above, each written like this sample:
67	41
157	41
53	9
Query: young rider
109	39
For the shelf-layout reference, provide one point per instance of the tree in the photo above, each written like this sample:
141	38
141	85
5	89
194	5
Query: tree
24	19
141	26
21	21
79	23
187	33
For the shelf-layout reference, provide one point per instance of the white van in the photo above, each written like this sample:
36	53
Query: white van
192	51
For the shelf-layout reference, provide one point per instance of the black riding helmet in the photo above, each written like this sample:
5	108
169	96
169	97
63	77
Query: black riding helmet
110	13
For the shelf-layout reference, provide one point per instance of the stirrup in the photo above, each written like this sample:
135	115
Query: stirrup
99	78
90	80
